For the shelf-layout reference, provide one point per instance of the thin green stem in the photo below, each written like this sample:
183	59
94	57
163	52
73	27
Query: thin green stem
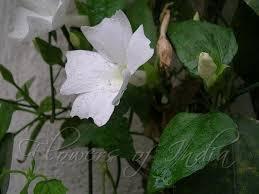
15	103
53	105
90	169
59	71
66	35
27	125
27	97
27	110
6	172
109	175
118	172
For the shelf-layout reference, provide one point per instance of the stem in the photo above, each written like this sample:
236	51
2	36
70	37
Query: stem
26	110
15	103
90	169
52	94
27	125
12	172
118	172
52	89
27	97
108	172
59	71
66	34
135	165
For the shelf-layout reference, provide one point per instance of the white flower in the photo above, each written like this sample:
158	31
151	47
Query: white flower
35	17
206	66
100	78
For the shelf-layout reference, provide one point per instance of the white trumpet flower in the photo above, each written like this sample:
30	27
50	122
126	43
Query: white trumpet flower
33	18
100	78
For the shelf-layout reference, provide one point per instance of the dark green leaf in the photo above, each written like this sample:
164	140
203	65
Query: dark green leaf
50	187
114	137
189	142
254	4
82	7
140	13
6	113
26	86
51	55
97	10
6	74
247	160
138	98
6	149
190	38
46	104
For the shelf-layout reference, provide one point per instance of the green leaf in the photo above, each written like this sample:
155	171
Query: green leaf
81	7
6	113
190	38
6	149
26	86
138	98
46	104
140	13
114	137
189	142
153	78
78	40
97	10
50	187
51	55
246	152
254	4
6	74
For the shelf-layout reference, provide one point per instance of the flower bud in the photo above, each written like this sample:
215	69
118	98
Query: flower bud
206	66
164	47
196	16
165	52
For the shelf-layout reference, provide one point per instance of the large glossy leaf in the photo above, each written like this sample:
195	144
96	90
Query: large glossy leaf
6	113
247	160
254	4
140	13
114	137
189	142
6	149
97	10
50	187
190	38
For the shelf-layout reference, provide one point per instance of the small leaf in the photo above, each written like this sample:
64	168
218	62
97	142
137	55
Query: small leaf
254	4
114	137
6	74
82	7
190	38
26	86
51	55
50	187
46	104
140	13
6	150
188	143
6	113
97	10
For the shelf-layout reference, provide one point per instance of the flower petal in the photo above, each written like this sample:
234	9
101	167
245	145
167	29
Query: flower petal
27	24
139	51
97	105
111	37
88	71
41	7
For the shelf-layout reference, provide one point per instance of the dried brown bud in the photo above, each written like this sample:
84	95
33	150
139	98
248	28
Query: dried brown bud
165	52
164	47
